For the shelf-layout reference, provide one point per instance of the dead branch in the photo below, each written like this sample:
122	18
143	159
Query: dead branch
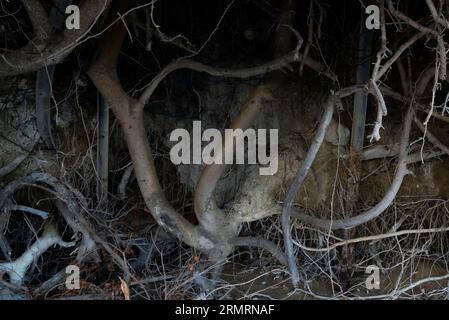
422	156
70	211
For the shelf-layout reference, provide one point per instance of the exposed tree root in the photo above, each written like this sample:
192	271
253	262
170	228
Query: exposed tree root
72	213
18	268
297	183
263	244
379	208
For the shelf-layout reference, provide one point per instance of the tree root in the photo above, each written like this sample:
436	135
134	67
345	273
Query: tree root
297	183
18	268
71	214
381	206
263	244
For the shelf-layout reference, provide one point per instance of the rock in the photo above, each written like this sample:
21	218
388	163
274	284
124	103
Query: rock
337	134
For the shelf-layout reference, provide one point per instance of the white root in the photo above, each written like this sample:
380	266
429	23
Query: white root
36	212
18	268
381	112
